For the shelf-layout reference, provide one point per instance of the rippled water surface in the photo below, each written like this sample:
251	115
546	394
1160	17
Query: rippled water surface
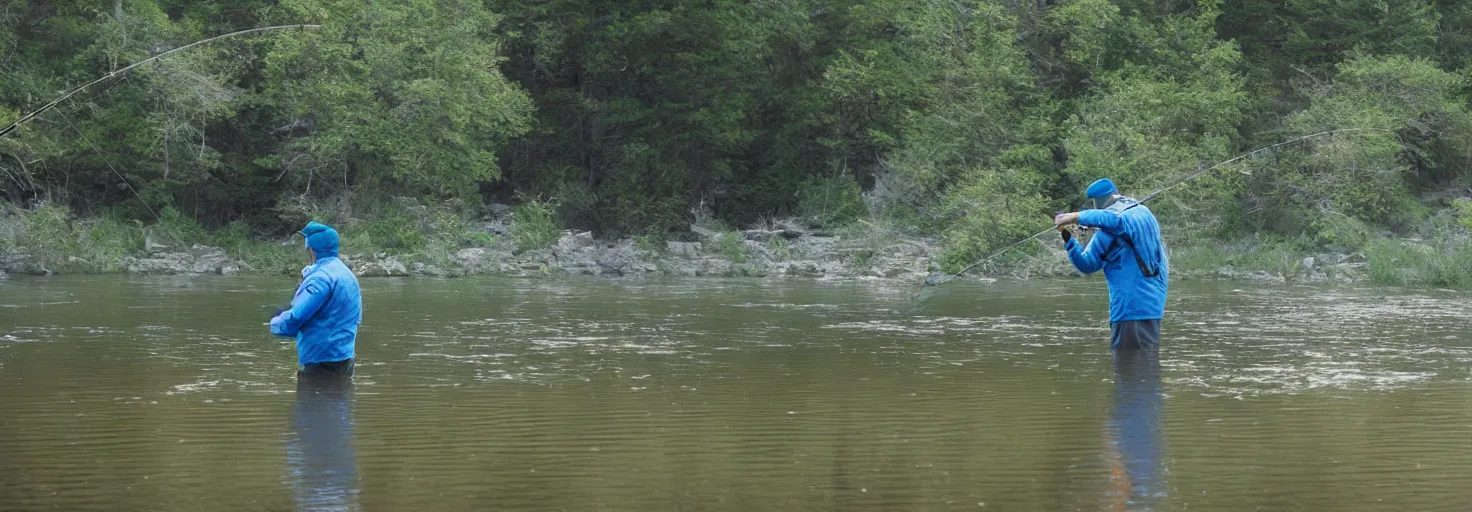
708	395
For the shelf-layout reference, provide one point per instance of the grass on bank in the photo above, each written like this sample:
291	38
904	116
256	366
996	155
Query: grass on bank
49	238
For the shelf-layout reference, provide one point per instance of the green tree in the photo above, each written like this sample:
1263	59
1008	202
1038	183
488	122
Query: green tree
404	94
1412	131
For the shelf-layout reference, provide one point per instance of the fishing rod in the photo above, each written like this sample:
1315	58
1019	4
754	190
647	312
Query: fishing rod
939	279
120	72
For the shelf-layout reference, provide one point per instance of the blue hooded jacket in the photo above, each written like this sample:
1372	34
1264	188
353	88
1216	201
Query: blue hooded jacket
1132	294
327	307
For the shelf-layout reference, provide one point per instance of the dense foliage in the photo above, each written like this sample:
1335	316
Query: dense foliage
972	120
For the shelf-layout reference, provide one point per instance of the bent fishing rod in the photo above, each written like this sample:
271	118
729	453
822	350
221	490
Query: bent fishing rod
135	65
939	279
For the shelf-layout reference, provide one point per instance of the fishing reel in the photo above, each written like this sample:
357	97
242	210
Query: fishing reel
1069	231
1065	231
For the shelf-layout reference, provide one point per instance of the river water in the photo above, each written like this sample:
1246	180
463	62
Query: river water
743	395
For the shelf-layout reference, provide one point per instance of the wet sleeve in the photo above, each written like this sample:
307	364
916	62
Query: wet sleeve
1101	219
1089	259
313	293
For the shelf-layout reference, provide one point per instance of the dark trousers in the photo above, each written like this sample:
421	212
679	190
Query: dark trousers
338	368
1134	334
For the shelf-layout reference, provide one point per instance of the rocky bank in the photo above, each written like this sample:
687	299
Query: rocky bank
756	253
787	249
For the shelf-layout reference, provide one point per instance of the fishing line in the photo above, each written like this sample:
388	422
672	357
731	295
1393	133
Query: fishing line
109	165
939	279
135	65
120	74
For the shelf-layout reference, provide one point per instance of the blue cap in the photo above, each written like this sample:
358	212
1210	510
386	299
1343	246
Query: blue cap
321	238
1101	188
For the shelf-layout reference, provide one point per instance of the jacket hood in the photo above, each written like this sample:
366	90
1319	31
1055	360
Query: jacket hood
321	238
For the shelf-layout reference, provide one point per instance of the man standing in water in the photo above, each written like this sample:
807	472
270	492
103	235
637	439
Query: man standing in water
1127	246
326	310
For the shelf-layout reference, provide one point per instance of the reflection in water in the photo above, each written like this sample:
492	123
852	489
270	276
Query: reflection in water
1133	434
321	462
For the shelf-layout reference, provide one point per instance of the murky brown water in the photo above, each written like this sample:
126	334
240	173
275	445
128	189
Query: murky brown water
586	395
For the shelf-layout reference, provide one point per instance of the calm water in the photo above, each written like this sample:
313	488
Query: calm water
587	395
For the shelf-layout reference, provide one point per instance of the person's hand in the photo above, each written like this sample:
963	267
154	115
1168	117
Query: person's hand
1066	233
1064	219
276	324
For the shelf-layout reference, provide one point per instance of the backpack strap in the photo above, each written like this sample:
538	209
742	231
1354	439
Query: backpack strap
1124	236
1144	269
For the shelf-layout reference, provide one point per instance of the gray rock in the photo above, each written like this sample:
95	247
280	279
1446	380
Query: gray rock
1348	272
705	233
750	270
762	235
804	268
498	210
163	263
889	272
574	257
425	269
1264	277
150	246
496	226
688	250
382	267
576	250
211	260
1308	263
758	235
473	259
716	267
543	256
582	267
201	259
679	267
833	268
622	259
584	239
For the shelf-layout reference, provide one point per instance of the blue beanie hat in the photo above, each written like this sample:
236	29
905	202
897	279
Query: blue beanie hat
1101	188
321	238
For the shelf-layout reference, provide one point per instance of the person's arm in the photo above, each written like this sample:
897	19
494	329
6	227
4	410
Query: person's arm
309	298
1100	219
1089	259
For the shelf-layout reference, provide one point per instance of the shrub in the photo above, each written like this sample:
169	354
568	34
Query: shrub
535	226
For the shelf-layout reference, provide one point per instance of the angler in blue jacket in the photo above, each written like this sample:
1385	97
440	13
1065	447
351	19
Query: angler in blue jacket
326	310
1128	248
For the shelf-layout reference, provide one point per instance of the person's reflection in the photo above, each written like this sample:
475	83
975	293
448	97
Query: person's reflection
1133	433
322	465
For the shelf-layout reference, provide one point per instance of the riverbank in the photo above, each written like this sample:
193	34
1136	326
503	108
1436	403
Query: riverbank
46	242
